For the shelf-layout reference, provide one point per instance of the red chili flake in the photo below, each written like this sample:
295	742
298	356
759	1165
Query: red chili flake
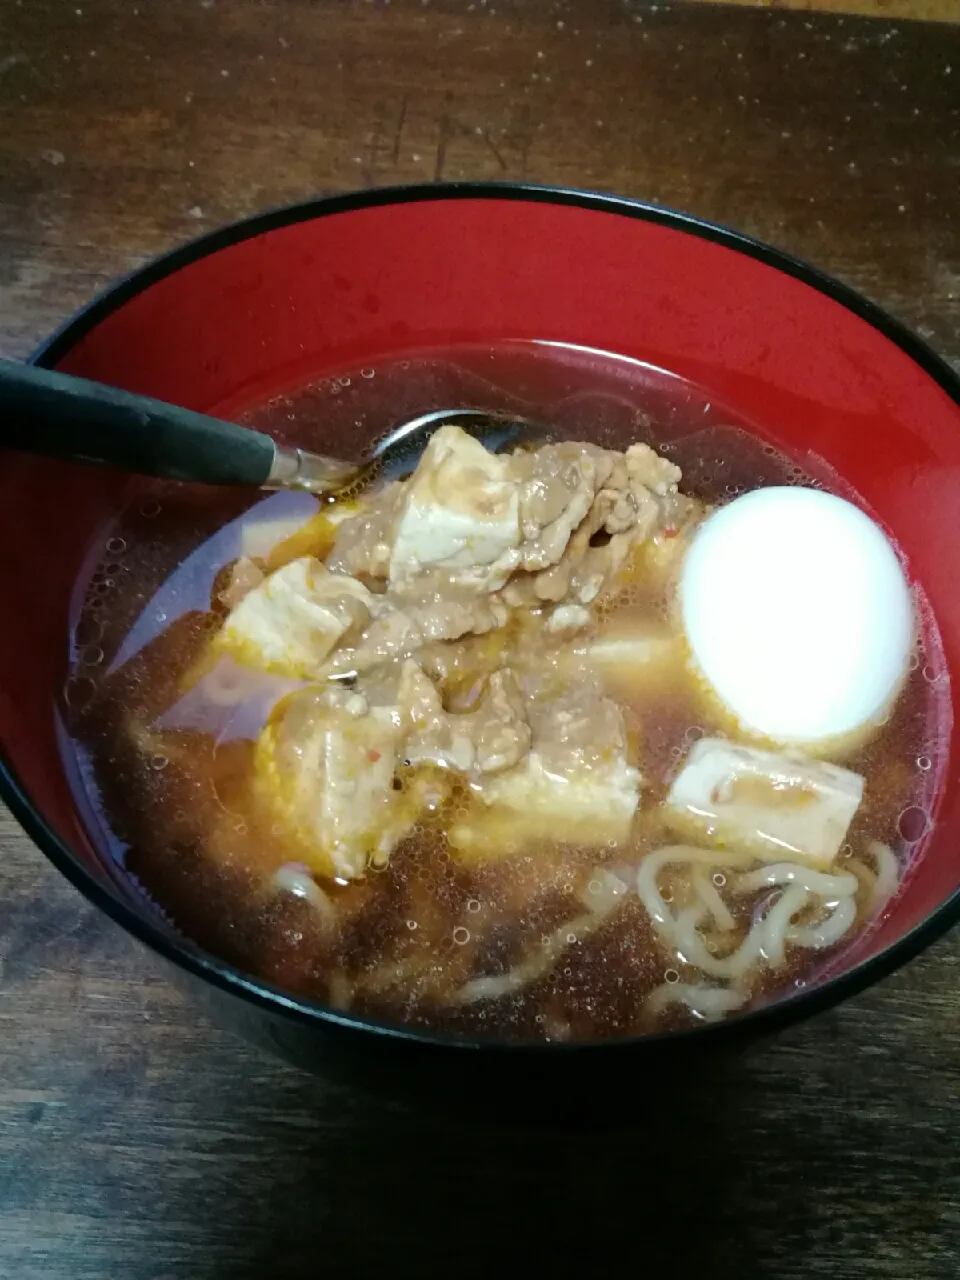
670	533
373	756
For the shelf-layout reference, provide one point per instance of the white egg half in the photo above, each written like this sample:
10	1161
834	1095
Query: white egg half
798	613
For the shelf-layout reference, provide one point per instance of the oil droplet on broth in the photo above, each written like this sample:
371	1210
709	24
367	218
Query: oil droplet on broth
913	824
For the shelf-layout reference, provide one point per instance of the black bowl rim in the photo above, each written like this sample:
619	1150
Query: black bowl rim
200	964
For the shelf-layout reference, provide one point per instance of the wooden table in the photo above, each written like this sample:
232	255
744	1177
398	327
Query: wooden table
136	1140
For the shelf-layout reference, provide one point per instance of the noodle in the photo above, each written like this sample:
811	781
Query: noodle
654	863
693	950
816	882
830	930
776	923
537	964
704	1002
680	932
386	976
295	878
867	880
888	874
532	967
710	896
770	932
688	941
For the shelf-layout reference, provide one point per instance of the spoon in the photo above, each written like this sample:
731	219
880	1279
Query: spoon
58	415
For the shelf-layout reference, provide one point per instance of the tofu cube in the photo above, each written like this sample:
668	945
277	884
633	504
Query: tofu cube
326	775
575	787
530	805
634	660
292	622
262	532
773	806
460	514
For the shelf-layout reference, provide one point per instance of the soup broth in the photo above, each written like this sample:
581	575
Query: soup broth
480	915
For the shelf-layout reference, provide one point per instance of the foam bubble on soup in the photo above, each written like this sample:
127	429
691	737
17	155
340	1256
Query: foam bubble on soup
439	753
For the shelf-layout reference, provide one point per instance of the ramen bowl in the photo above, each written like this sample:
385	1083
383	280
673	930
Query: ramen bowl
251	311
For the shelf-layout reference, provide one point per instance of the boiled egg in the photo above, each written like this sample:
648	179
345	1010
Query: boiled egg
798	614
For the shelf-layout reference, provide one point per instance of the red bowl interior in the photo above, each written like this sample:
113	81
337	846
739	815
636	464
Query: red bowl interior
266	306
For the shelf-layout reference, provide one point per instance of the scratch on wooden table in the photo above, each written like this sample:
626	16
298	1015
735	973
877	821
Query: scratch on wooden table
398	132
384	140
493	148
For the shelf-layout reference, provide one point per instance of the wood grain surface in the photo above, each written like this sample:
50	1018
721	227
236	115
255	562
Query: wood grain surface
138	1141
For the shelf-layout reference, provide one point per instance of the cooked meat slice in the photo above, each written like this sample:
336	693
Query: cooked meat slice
574	787
403	627
558	484
646	467
364	542
469	521
581	572
623	513
493	737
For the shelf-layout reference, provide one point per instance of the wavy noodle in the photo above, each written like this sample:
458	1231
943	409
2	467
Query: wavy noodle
828	931
653	864
536	964
396	973
776	923
295	878
688	941
888	874
703	1001
692	949
769	933
815	882
680	932
709	895
867	880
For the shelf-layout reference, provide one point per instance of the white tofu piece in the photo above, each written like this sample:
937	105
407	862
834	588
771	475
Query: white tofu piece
460	514
258	537
590	808
764	803
633	659
295	618
326	774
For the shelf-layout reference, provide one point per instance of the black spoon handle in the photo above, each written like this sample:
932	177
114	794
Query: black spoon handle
66	417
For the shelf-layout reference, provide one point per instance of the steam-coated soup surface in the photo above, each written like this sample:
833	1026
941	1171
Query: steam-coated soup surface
440	752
